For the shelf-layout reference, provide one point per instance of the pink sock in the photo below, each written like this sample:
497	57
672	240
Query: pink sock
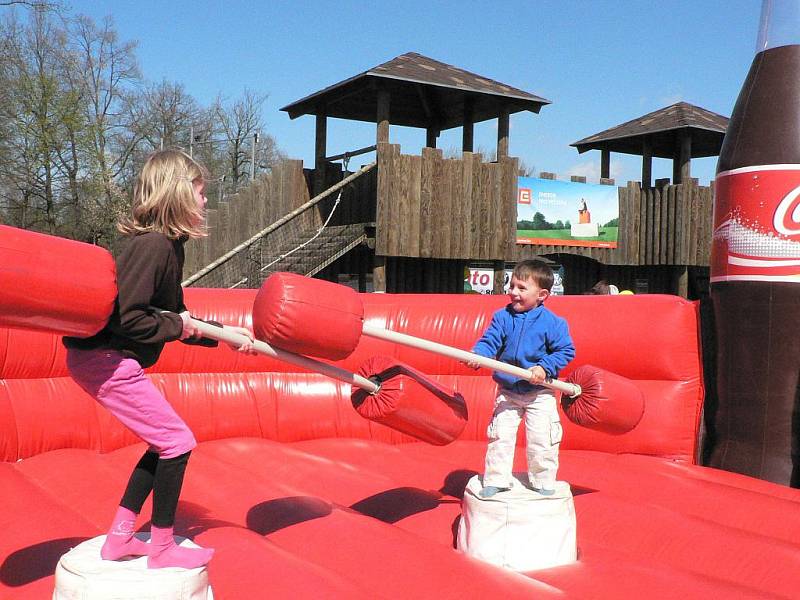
120	540
164	552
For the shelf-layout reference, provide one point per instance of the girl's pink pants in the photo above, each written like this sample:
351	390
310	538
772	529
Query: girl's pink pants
119	384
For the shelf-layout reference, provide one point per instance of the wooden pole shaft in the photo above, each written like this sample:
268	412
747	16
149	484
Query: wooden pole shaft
468	134
605	163
570	389
226	335
647	163
502	133
382	117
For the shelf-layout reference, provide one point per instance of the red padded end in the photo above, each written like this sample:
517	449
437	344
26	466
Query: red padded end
410	402
308	316
54	284
608	402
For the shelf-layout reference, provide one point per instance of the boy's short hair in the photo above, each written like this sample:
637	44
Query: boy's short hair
537	270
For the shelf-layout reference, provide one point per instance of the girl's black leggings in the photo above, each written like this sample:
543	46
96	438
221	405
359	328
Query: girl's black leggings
162	476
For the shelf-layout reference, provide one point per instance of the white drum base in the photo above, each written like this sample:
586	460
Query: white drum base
82	575
519	529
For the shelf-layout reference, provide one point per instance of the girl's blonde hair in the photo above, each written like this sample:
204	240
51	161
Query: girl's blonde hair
163	197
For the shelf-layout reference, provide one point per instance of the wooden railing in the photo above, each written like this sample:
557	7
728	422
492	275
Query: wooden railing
270	197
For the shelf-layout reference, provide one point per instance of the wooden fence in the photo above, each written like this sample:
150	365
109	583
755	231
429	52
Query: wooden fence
266	200
429	207
432	207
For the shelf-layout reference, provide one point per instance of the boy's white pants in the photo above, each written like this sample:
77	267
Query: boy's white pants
543	436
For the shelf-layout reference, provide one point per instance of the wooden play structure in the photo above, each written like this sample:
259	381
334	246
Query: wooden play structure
415	222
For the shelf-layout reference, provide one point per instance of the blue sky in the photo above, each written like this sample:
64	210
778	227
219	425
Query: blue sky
601	63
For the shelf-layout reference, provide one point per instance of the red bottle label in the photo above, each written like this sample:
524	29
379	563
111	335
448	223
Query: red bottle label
757	224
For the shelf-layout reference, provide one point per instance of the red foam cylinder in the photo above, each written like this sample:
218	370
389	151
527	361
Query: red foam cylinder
409	402
54	284
308	316
608	402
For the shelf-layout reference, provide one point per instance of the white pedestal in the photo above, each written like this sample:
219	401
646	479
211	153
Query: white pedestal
82	575
518	529
584	230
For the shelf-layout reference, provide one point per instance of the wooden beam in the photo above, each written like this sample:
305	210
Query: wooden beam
382	117
680	282
431	133
320	149
379	274
332	98
352	153
502	133
682	164
426	102
647	162
467	142
499	268
605	163
432	114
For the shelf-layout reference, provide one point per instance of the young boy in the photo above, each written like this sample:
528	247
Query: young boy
528	335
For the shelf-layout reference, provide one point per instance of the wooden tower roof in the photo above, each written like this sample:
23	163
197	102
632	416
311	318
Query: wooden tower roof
706	129
423	91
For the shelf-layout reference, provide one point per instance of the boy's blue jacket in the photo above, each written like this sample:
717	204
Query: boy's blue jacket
535	337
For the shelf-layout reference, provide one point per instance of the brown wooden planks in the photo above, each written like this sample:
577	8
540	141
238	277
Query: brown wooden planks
383	222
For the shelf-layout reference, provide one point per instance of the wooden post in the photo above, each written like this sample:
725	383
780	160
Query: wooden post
499	276
682	164
647	163
681	281
502	133
379	274
605	163
320	149
431	133
362	277
384	101
467	142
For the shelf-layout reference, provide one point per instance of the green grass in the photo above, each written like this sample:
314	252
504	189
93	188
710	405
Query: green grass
607	234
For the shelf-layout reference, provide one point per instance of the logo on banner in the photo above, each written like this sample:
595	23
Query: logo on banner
755	239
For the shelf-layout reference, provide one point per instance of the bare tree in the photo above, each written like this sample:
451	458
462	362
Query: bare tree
76	124
165	114
491	156
240	122
41	6
34	109
108	71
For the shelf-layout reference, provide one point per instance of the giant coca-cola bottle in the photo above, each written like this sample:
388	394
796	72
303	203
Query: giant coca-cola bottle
755	263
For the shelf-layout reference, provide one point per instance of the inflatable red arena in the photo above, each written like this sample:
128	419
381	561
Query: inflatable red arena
302	497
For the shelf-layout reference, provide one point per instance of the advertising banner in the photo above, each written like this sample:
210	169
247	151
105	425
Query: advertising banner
480	281
566	213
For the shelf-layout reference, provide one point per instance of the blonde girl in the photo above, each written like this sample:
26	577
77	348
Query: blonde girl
168	208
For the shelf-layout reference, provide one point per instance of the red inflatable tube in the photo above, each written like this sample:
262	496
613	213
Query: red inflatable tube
607	402
410	402
54	284
323	320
